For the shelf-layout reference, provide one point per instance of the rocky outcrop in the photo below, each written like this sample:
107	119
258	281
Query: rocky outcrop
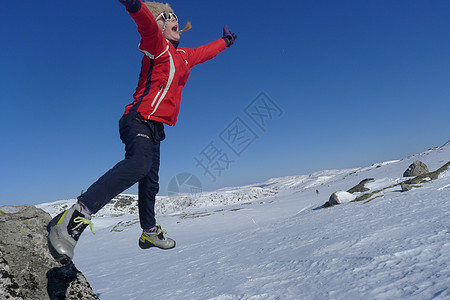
360	187
405	187
339	197
27	270
415	169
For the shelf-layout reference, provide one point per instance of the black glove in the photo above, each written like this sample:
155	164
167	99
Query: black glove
132	5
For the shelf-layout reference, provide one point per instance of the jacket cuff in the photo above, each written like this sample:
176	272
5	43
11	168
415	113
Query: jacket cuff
227	40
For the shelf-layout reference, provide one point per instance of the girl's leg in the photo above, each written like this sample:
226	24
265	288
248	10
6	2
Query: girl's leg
139	148
148	188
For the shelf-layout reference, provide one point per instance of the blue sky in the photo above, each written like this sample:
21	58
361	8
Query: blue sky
345	84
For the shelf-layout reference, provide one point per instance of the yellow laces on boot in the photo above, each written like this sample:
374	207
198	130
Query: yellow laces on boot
80	221
160	230
163	231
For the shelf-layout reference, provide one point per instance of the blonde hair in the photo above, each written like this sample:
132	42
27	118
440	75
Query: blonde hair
156	8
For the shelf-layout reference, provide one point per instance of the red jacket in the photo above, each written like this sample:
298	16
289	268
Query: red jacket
165	70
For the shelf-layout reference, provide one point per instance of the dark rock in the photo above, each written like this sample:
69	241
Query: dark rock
416	169
360	187
405	187
27	270
333	200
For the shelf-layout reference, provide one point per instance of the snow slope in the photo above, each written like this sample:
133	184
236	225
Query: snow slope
274	240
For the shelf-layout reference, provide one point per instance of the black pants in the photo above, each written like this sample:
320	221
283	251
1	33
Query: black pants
141	164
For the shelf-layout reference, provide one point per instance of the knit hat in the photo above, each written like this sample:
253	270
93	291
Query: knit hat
156	8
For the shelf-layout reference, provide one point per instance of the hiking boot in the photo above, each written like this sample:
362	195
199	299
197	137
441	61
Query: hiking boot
156	239
64	230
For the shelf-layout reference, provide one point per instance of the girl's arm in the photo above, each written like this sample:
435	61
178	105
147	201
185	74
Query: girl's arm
153	42
206	52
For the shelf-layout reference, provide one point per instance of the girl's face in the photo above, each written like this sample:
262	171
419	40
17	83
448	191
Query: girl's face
171	30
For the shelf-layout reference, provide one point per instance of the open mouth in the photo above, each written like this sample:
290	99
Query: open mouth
175	28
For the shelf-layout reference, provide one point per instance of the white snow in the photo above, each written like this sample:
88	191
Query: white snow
344	197
382	183
274	241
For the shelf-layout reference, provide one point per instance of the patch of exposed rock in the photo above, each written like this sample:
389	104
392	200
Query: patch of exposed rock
27	269
415	169
360	187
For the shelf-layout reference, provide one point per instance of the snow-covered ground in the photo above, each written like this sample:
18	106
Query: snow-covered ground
274	240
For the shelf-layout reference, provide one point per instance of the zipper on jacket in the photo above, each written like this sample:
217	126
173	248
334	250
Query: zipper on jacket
157	95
